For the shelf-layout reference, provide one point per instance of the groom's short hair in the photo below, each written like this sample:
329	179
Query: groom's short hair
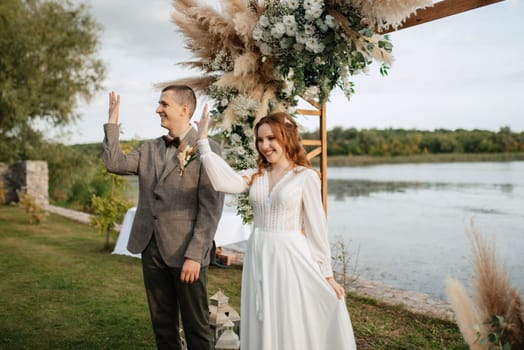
183	94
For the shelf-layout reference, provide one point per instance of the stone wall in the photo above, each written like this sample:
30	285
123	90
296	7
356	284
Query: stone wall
31	175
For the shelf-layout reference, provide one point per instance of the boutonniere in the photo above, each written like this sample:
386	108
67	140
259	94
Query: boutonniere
185	156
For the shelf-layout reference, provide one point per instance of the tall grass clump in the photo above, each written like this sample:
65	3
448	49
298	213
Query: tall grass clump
493	318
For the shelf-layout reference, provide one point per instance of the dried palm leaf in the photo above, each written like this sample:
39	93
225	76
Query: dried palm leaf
244	85
269	94
247	63
388	13
244	23
207	32
199	84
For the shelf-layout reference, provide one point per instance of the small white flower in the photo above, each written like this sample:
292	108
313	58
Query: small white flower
313	13
289	20
266	36
291	4
287	88
309	29
319	60
235	138
313	45
291	30
240	150
331	22
263	20
257	33
265	49
248	131
301	38
278	30
313	3
312	92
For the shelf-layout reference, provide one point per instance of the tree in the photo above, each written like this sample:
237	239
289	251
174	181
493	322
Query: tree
47	64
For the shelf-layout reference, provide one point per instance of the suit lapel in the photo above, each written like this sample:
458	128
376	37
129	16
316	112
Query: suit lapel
159	158
172	163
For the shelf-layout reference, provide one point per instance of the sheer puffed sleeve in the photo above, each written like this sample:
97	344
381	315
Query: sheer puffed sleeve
222	176
315	223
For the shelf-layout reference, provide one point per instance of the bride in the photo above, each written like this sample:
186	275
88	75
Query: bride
289	298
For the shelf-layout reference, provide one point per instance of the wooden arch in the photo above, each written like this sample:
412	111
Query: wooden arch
439	10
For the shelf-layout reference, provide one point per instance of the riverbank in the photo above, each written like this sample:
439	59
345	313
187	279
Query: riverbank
338	161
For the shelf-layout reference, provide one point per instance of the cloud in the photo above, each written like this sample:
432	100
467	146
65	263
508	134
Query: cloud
139	28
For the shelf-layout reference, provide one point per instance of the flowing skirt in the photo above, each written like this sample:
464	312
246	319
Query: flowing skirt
286	303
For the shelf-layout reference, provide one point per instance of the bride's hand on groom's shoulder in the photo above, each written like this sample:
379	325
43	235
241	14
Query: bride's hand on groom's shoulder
203	123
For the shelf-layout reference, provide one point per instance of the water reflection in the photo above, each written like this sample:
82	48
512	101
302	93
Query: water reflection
340	189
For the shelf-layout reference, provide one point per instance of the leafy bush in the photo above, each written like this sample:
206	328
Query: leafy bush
31	206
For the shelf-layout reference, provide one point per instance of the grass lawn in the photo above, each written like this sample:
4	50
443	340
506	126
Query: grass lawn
60	290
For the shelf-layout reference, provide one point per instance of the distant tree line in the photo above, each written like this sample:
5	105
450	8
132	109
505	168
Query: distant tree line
401	142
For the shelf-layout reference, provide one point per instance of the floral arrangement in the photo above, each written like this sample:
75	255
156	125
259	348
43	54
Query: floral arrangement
317	47
261	56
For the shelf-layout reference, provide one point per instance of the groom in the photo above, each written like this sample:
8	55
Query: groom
176	218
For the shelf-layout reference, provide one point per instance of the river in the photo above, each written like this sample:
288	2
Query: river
405	224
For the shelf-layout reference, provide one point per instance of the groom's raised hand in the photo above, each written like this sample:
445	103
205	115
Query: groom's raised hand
114	104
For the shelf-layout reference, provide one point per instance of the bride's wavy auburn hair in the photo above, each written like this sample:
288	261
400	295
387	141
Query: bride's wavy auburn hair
285	130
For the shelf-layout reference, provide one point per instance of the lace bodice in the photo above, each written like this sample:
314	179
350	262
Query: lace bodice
280	209
294	203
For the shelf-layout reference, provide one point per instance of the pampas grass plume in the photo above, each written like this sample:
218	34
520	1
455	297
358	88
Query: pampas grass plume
465	314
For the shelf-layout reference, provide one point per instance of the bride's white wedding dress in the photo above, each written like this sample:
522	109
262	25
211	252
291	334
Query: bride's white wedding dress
286	303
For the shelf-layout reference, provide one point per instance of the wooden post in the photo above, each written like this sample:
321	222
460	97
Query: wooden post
321	144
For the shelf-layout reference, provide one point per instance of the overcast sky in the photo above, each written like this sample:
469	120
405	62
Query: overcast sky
463	71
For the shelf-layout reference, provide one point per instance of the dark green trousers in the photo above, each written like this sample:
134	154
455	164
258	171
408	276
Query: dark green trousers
168	297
